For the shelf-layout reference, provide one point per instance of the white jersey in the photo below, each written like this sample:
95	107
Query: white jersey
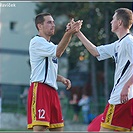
122	52
44	64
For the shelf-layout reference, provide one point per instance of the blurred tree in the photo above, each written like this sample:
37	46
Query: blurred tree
96	18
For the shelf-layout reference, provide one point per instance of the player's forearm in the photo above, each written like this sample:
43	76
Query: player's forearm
63	44
67	37
89	46
59	78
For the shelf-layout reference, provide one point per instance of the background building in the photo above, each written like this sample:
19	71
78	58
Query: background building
16	29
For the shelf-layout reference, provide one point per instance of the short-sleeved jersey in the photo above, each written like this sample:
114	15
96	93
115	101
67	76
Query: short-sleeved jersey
122	51
43	60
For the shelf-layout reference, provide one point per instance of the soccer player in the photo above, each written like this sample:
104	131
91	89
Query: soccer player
118	114
44	110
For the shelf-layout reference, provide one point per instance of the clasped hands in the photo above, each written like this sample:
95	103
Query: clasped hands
74	26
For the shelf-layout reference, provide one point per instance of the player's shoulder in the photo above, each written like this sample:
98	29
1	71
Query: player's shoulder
127	39
38	38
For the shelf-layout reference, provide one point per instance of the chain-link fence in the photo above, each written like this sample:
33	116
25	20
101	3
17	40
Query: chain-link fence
13	98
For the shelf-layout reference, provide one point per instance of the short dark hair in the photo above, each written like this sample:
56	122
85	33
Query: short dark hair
40	18
126	15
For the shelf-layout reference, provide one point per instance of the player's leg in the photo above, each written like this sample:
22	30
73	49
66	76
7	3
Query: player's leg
57	129
39	128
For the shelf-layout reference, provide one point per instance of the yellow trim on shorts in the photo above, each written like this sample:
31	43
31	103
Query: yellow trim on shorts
42	123
34	102
105	125
56	125
109	115
38	123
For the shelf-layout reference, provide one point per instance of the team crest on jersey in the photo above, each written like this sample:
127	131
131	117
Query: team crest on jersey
116	57
55	60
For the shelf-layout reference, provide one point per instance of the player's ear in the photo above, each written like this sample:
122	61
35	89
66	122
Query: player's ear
39	26
120	22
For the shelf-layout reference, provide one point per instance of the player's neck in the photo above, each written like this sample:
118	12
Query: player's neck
44	36
122	33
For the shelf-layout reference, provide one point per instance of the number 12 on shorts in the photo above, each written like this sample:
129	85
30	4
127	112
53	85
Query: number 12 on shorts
41	113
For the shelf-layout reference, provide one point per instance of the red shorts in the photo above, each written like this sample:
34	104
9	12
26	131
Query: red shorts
118	117
43	107
94	126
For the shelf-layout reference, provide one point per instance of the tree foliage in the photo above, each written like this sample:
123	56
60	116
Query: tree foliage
92	14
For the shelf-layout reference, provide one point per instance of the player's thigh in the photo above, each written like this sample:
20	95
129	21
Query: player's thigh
39	128
57	129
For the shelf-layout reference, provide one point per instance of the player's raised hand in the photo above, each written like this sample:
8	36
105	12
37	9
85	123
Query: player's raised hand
68	26
73	26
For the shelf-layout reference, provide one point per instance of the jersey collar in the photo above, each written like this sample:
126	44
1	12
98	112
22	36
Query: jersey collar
124	36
